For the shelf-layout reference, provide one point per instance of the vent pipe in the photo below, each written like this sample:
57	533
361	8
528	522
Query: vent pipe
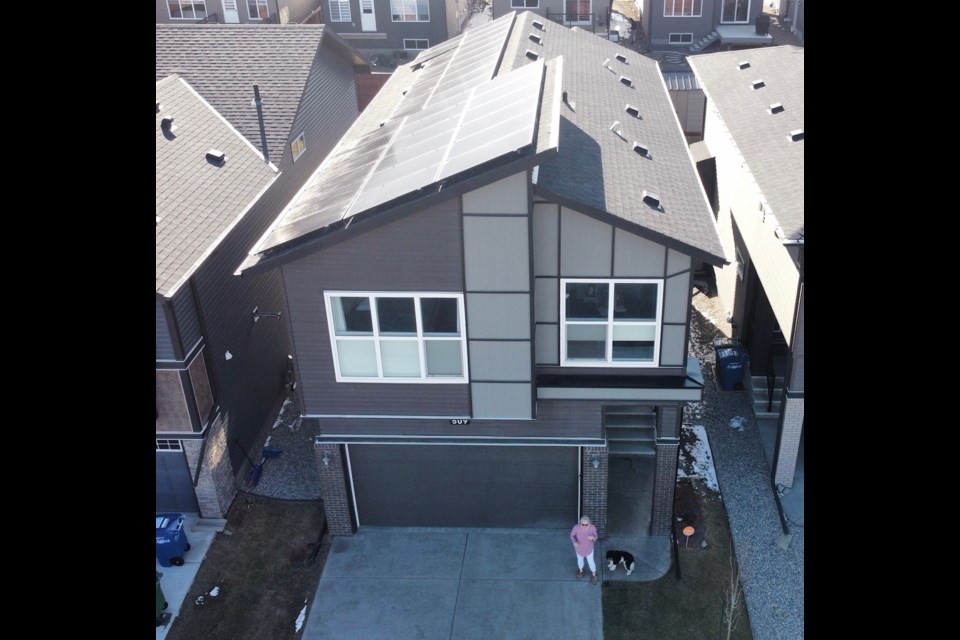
263	129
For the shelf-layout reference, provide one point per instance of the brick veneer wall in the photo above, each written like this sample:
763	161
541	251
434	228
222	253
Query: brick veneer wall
594	487
333	488
790	429
664	488
216	486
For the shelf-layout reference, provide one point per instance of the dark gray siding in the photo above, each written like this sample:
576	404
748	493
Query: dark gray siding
467	486
421	252
174	484
164	341
296	10
185	315
661	27
328	108
435	31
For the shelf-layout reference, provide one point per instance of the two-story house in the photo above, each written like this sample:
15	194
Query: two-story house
753	130
239	11
489	285
272	100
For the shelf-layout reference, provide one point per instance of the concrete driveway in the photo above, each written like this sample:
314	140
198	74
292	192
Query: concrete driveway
454	584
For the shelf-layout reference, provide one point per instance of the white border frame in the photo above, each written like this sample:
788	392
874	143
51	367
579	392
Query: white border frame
429	16
303	140
680	15
258	18
190	2
747	21
609	362
679	34
406	40
340	4
420	338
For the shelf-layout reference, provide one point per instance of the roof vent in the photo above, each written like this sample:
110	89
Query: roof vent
217	157
627	81
418	66
651	200
167	124
615	127
776	107
758	84
743	65
533	55
570	103
796	135
537	24
641	148
606	65
158	107
634	111
535	38
622	58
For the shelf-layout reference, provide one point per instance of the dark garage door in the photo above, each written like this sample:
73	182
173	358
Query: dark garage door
174	484
465	486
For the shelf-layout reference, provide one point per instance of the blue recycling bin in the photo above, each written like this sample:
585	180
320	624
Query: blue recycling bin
731	362
171	539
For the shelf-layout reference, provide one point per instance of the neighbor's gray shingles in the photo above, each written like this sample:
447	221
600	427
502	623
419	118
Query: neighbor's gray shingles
762	138
197	201
621	175
223	62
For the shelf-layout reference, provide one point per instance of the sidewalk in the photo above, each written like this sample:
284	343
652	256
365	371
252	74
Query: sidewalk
176	581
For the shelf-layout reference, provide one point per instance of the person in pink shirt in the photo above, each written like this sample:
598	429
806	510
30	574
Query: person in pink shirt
583	536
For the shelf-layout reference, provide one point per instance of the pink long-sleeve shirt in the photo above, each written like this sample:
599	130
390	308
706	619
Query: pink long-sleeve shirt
583	538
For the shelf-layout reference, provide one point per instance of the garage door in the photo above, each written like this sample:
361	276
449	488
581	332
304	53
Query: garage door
174	484
465	486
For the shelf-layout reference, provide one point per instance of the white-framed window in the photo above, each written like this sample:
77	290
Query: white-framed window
258	9
169	445
340	11
298	146
415	44
681	38
524	4
187	9
735	11
397	337
610	323
682	8
410	10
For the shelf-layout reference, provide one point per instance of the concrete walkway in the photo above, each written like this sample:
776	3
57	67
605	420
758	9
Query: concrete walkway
176	581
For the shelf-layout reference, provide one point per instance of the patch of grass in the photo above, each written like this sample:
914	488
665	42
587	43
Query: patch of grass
685	609
264	571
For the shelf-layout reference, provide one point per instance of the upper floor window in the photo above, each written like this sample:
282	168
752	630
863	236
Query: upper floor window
735	11
258	9
397	337
187	9
340	11
612	323
298	146
524	4
410	10
679	8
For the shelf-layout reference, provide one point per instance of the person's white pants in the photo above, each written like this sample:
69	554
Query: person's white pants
589	557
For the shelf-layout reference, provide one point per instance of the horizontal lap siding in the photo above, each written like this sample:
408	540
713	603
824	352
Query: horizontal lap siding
164	340
185	315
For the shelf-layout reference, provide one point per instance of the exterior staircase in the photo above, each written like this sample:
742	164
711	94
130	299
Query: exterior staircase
762	407
704	42
631	430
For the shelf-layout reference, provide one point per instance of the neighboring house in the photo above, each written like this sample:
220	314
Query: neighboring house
754	133
488	285
211	406
698	23
791	12
688	101
586	14
239	11
385	26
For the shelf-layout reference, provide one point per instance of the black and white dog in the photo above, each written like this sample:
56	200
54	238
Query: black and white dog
617	557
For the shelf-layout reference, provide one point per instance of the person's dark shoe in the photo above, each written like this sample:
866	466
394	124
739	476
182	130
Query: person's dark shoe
594	579
580	574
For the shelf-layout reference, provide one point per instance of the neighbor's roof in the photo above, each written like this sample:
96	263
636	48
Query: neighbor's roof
763	138
582	163
223	62
197	201
680	80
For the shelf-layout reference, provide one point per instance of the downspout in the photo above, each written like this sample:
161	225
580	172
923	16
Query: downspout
263	131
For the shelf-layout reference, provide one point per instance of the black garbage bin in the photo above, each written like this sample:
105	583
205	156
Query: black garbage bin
161	601
171	539
763	24
731	362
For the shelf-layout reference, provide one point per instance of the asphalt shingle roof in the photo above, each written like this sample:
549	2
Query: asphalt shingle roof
197	201
223	62
762	138
594	171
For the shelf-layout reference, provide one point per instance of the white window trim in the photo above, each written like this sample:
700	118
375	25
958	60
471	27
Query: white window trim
300	138
169	445
406	48
344	16
673	5
745	21
522	4
609	322
259	2
670	38
415	6
377	338
182	2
